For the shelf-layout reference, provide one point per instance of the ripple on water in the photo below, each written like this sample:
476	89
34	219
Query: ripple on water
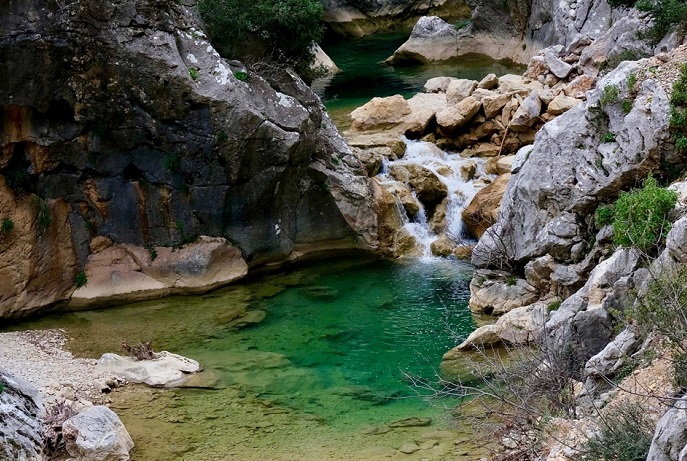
321	377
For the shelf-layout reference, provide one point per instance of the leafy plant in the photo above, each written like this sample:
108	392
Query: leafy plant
609	95
221	136
604	215
511	281
80	280
641	216
609	137
278	31
193	72
241	76
631	81
7	226
627	106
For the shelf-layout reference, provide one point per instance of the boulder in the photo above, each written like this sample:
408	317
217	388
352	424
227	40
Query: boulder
561	103
579	86
437	84
468	170
432	39
21	410
165	370
607	362
97	434
443	246
437	223
380	114
496	297
483	209
454	117
527	114
488	82
493	103
371	159
558	67
671	434
423	108
404	195
430	190
459	89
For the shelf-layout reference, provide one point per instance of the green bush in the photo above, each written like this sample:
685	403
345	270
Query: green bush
609	137
609	95
625	435
7	226
80	280
604	215
278	31
193	72
641	216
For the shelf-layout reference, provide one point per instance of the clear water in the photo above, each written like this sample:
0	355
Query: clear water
364	74
316	379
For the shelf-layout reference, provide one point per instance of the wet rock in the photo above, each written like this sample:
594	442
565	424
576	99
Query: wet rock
411	422
371	159
166	370
437	223
97	434
405	196
443	246
463	251
468	170
429	189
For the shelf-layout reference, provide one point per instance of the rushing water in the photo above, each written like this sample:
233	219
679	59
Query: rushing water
321	377
364	74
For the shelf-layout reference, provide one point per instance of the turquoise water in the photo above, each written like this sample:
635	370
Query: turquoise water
364	74
331	355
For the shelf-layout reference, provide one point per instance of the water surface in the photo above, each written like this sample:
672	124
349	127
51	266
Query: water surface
322	376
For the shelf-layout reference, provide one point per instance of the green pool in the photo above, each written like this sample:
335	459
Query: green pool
322	376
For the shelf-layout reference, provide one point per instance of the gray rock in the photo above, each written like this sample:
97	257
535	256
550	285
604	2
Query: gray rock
21	429
614	355
527	114
498	296
97	434
671	434
676	241
557	66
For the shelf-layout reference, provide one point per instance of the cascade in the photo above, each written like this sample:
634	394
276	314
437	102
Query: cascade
463	177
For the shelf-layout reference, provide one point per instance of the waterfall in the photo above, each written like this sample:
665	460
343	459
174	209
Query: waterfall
463	177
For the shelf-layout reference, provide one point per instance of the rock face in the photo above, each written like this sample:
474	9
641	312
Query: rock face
149	137
362	17
97	434
670	437
21	433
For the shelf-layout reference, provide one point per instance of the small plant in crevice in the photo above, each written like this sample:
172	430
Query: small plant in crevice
81	280
641	219
553	305
627	106
43	214
631	81
140	351
609	96
609	137
241	76
3	385
193	72
7	226
151	251
221	136
511	281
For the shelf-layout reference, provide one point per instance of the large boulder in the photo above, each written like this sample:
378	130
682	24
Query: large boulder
484	207
97	434
165	370
430	190
454	117
670	438
380	113
149	131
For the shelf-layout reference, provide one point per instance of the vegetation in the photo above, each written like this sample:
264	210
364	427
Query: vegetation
152	251
609	137
80	280
609	95
277	32
193	72
44	217
54	419
625	435
7	226
604	215
640	218
667	14
140	351
553	305
173	163
242	76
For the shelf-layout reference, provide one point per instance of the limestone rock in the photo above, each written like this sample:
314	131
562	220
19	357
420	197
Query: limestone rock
671	434
429	189
405	196
380	113
323	60
613	356
432	39
498	296
527	114
459	89
437	84
676	241
423	108
21	408
561	103
443	246
483	209
468	170
166	370
558	67
579	86
493	104
97	434
454	117
371	159
488	82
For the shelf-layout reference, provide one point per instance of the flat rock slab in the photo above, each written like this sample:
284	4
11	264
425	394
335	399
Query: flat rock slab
167	370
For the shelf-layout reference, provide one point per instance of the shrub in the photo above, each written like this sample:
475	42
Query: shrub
44	216
7	226
625	435
80	280
278	31
641	216
242	76
631	81
609	137
604	215
627	106
553	305
609	95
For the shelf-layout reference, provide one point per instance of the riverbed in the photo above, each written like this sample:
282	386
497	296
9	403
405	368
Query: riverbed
319	370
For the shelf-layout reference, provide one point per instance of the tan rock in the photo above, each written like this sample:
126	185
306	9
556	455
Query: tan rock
429	189
504	164
488	82
404	195
437	84
562	103
392	243
463	251
437	223
443	246
493	104
454	117
390	140
536	67
481	212
527	114
423	108
481	150
468	170
579	86
508	110
459	89
371	159
511	83
380	114
99	243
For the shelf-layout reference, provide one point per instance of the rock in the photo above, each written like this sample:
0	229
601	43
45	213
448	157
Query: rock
429	189
671	434
676	241
437	223
405	196
443	246
166	370
493	104
459	89
380	114
483	209
371	159
97	434
99	243
488	82
527	114
437	84
423	108
409	448
561	103
125	273
452	118
468	170
387	144
323	61
613	356
558	67
496	297
432	39
481	150
579	86
21	410
505	164
411	422
547	202
392	243
511	83
536	68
